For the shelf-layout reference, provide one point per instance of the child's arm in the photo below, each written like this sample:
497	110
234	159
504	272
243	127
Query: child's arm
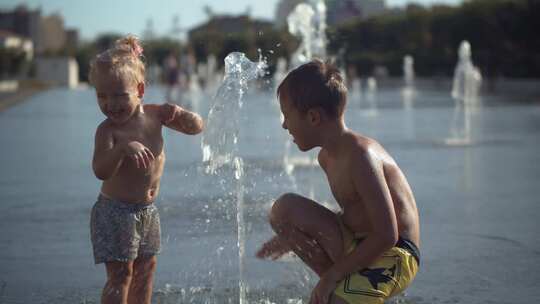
180	119
108	156
273	249
369	181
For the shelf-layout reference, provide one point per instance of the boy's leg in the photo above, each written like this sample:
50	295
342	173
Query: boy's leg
119	275
140	291
309	229
337	300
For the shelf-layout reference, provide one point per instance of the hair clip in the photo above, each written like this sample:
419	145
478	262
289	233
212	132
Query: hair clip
137	50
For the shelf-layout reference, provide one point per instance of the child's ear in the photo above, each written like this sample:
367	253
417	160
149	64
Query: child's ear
314	116
140	89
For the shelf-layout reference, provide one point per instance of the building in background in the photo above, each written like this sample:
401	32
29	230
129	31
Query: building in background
42	39
22	22
10	40
47	33
62	71
15	51
52	35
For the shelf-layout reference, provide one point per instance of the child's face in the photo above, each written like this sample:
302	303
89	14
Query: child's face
118	98
296	123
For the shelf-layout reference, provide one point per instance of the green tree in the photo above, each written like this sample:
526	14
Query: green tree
502	34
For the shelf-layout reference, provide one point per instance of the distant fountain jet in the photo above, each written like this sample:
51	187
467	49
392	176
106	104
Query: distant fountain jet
308	21
467	77
465	92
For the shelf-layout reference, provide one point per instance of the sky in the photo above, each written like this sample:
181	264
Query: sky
93	17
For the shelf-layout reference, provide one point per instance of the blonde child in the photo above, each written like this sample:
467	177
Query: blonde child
129	159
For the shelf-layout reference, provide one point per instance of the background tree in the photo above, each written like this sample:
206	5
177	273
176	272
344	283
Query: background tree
501	33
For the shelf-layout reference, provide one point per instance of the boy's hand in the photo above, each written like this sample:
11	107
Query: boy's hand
141	155
167	112
273	249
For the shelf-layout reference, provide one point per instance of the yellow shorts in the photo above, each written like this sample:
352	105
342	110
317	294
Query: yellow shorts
387	277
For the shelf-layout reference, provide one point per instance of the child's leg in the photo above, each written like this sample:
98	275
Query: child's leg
309	229
336	300
140	291
119	275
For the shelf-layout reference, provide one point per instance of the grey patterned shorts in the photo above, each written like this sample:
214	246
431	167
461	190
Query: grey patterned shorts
124	231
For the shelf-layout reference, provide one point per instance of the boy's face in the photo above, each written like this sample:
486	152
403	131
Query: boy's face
118	98
296	123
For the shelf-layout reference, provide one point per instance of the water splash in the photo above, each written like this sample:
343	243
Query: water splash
371	97
319	19
220	141
465	92
467	77
356	89
408	71
281	72
408	92
308	21
299	22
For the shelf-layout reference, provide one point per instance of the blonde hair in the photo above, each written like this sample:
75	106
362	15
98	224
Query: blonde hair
123	59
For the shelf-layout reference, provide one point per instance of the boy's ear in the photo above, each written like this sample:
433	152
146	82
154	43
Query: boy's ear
314	116
140	89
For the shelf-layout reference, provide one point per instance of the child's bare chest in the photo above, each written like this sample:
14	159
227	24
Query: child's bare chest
148	134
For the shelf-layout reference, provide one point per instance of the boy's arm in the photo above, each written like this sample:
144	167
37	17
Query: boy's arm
368	178
107	156
369	181
180	119
273	249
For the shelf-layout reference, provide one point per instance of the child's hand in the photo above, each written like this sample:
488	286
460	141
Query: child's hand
141	155
167	113
273	249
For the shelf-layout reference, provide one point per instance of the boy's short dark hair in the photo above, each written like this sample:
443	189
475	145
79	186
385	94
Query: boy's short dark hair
315	84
